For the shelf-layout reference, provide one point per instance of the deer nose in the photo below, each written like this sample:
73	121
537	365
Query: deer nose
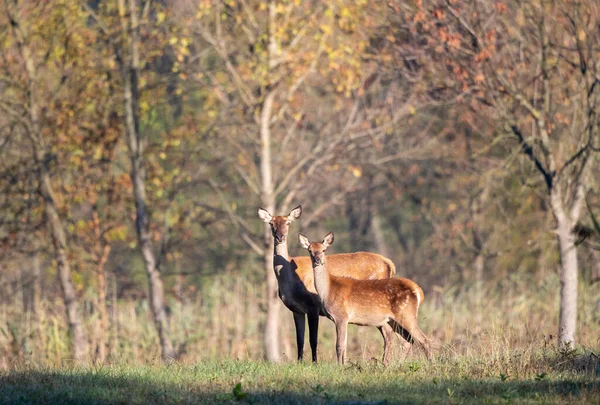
280	238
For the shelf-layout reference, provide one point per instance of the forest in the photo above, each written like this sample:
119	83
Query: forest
139	138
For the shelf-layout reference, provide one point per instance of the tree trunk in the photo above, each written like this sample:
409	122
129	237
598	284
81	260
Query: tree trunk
358	212
130	72
479	267
271	333
36	286
114	324
103	321
595	266
59	240
567	319
380	241
47	192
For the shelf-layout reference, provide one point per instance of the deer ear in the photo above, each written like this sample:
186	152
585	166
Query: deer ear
295	213
264	215
328	240
304	242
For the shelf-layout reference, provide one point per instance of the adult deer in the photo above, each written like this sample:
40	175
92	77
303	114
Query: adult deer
295	277
392	302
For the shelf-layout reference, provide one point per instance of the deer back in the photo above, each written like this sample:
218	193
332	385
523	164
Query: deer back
369	301
359	265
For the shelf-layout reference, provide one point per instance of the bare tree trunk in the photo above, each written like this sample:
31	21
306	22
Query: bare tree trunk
595	266
64	271
358	212
114	324
130	72
380	243
271	333
567	319
36	286
103	324
479	266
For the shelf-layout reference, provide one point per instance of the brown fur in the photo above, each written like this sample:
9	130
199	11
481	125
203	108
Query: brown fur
295	277
359	265
394	302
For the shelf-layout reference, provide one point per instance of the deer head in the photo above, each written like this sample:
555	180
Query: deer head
280	225
316	249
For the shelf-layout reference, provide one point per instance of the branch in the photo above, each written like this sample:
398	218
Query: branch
464	24
528	150
321	208
573	158
237	222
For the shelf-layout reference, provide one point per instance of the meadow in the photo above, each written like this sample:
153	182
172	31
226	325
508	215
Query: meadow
521	377
502	349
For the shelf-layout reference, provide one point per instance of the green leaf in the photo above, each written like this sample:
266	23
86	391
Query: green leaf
238	393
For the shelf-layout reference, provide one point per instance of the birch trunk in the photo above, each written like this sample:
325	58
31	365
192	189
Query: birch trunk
271	332
567	319
78	341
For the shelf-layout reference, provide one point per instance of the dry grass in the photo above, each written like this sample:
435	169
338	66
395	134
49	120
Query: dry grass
225	320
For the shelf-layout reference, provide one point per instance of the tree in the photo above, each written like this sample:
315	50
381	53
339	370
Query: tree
50	42
532	68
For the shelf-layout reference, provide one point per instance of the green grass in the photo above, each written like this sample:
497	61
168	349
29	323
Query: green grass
566	378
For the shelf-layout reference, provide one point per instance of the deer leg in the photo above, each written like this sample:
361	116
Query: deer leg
410	331
341	329
421	339
404	336
387	332
300	323
313	330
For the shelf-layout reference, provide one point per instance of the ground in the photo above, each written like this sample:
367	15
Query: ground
568	379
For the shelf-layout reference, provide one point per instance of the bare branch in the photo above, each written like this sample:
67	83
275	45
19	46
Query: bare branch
528	150
236	220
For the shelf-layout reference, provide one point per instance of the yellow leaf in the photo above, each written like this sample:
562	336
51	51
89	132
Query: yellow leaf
326	29
356	171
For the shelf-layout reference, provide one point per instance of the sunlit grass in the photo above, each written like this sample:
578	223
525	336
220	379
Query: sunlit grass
543	378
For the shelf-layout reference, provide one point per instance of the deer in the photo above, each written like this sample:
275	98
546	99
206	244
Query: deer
392	302
295	277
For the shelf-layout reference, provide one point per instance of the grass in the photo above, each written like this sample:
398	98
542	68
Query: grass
499	350
540	378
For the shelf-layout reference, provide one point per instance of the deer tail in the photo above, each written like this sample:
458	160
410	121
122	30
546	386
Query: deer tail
391	267
419	295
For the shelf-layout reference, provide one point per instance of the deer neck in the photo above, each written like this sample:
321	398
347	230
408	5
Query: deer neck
281	260
322	280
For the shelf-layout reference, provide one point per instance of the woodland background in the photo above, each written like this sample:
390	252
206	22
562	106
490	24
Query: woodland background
138	138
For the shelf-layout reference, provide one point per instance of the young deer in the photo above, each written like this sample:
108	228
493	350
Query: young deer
295	277
394	302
